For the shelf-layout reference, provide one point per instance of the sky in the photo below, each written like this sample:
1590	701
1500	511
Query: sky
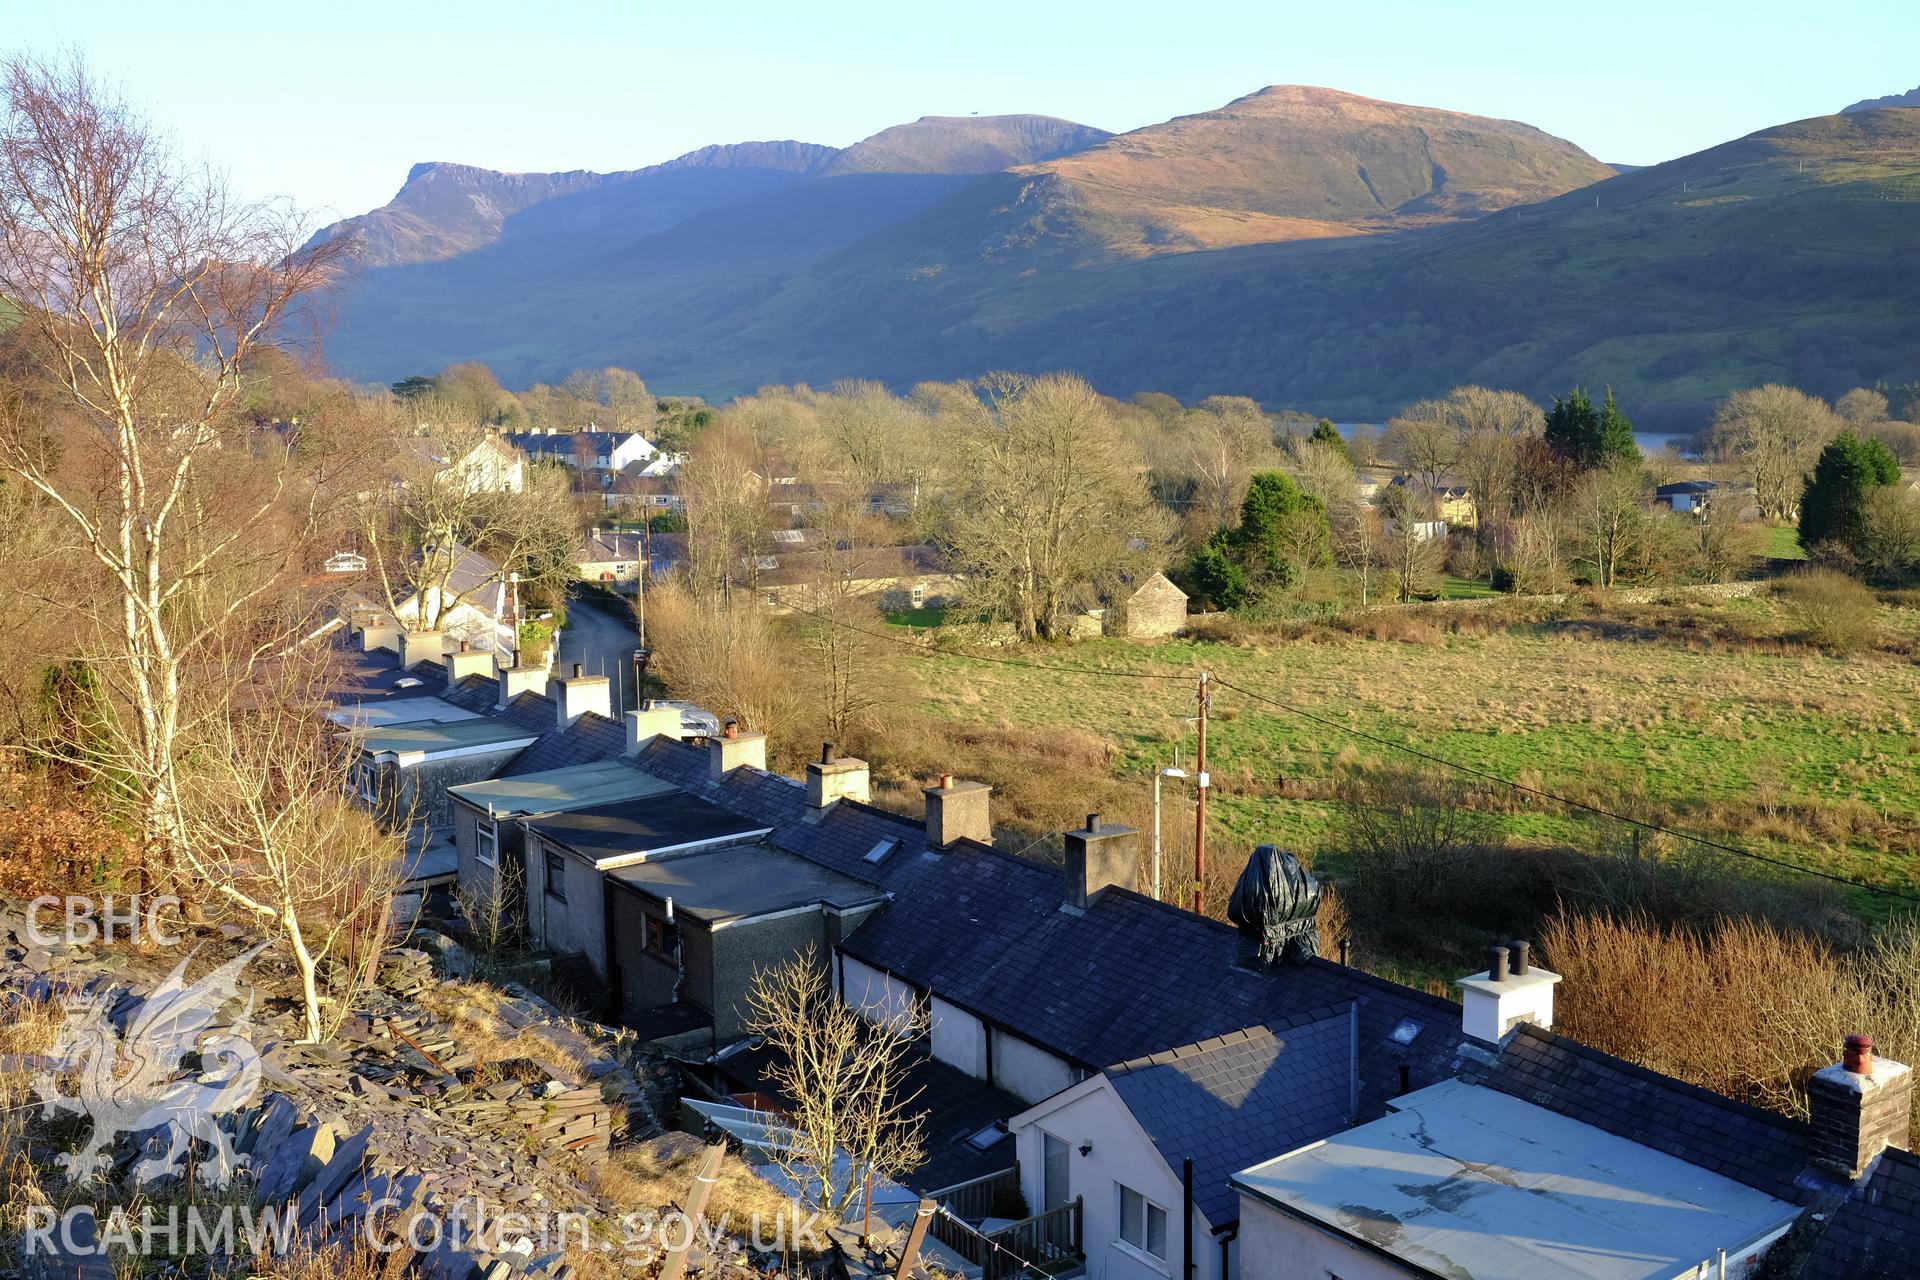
329	104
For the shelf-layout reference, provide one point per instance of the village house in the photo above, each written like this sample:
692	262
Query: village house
611	558
473	602
586	449
410	745
489	464
1473	1175
903	577
1694	497
1448	501
645	496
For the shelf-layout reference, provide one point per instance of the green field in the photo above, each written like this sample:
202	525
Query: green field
1761	742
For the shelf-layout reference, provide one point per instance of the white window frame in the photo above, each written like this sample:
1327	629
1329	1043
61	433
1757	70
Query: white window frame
366	781
486	842
1141	1249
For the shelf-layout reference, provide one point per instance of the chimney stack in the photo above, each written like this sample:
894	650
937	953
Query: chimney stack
958	811
467	662
382	635
516	680
419	647
1100	856
1509	991
833	778
651	722
580	694
1858	1108
732	749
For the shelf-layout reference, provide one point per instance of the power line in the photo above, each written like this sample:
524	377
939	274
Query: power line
1380	740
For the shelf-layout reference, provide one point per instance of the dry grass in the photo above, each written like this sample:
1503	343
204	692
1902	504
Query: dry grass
656	1175
344	1260
1741	1008
472	1010
28	1028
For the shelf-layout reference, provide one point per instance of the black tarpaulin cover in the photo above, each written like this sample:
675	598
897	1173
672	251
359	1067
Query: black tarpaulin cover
1275	905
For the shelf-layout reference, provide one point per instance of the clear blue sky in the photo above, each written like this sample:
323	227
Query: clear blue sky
329	103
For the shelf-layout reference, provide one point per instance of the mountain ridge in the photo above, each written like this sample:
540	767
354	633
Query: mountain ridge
1409	268
1911	98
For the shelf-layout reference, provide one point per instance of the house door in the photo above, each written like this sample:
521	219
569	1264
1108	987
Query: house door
1053	1173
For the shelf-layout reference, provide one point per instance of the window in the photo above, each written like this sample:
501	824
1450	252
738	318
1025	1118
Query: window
1143	1224
486	842
369	789
656	936
1053	1173
556	877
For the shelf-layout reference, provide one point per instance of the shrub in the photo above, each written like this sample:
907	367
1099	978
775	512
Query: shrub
1760	1008
1406	832
1831	609
1505	580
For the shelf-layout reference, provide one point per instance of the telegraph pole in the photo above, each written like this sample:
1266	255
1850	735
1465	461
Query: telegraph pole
1200	807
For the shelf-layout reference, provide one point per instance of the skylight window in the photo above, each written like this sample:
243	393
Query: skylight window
879	852
408	682
1406	1032
986	1138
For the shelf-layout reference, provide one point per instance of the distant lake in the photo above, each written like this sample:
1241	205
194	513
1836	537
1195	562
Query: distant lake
1650	442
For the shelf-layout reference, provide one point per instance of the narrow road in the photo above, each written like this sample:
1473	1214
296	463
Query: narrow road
603	646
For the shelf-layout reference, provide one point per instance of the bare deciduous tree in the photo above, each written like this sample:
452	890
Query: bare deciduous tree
1609	509
844	1070
727	656
273	834
1051	505
1492	425
1773	435
419	527
1425	437
727	487
143	286
1412	552
1223	437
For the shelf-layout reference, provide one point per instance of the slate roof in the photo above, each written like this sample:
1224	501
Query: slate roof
838	838
1129	976
1877	1231
588	740
1760	1149
1238	1099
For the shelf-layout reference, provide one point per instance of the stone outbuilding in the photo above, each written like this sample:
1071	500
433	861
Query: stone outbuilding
1153	610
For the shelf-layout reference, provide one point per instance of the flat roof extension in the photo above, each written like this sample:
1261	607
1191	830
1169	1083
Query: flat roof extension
1462	1180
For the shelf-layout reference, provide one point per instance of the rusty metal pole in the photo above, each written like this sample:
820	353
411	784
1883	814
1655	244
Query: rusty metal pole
915	1238
676	1264
1200	807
